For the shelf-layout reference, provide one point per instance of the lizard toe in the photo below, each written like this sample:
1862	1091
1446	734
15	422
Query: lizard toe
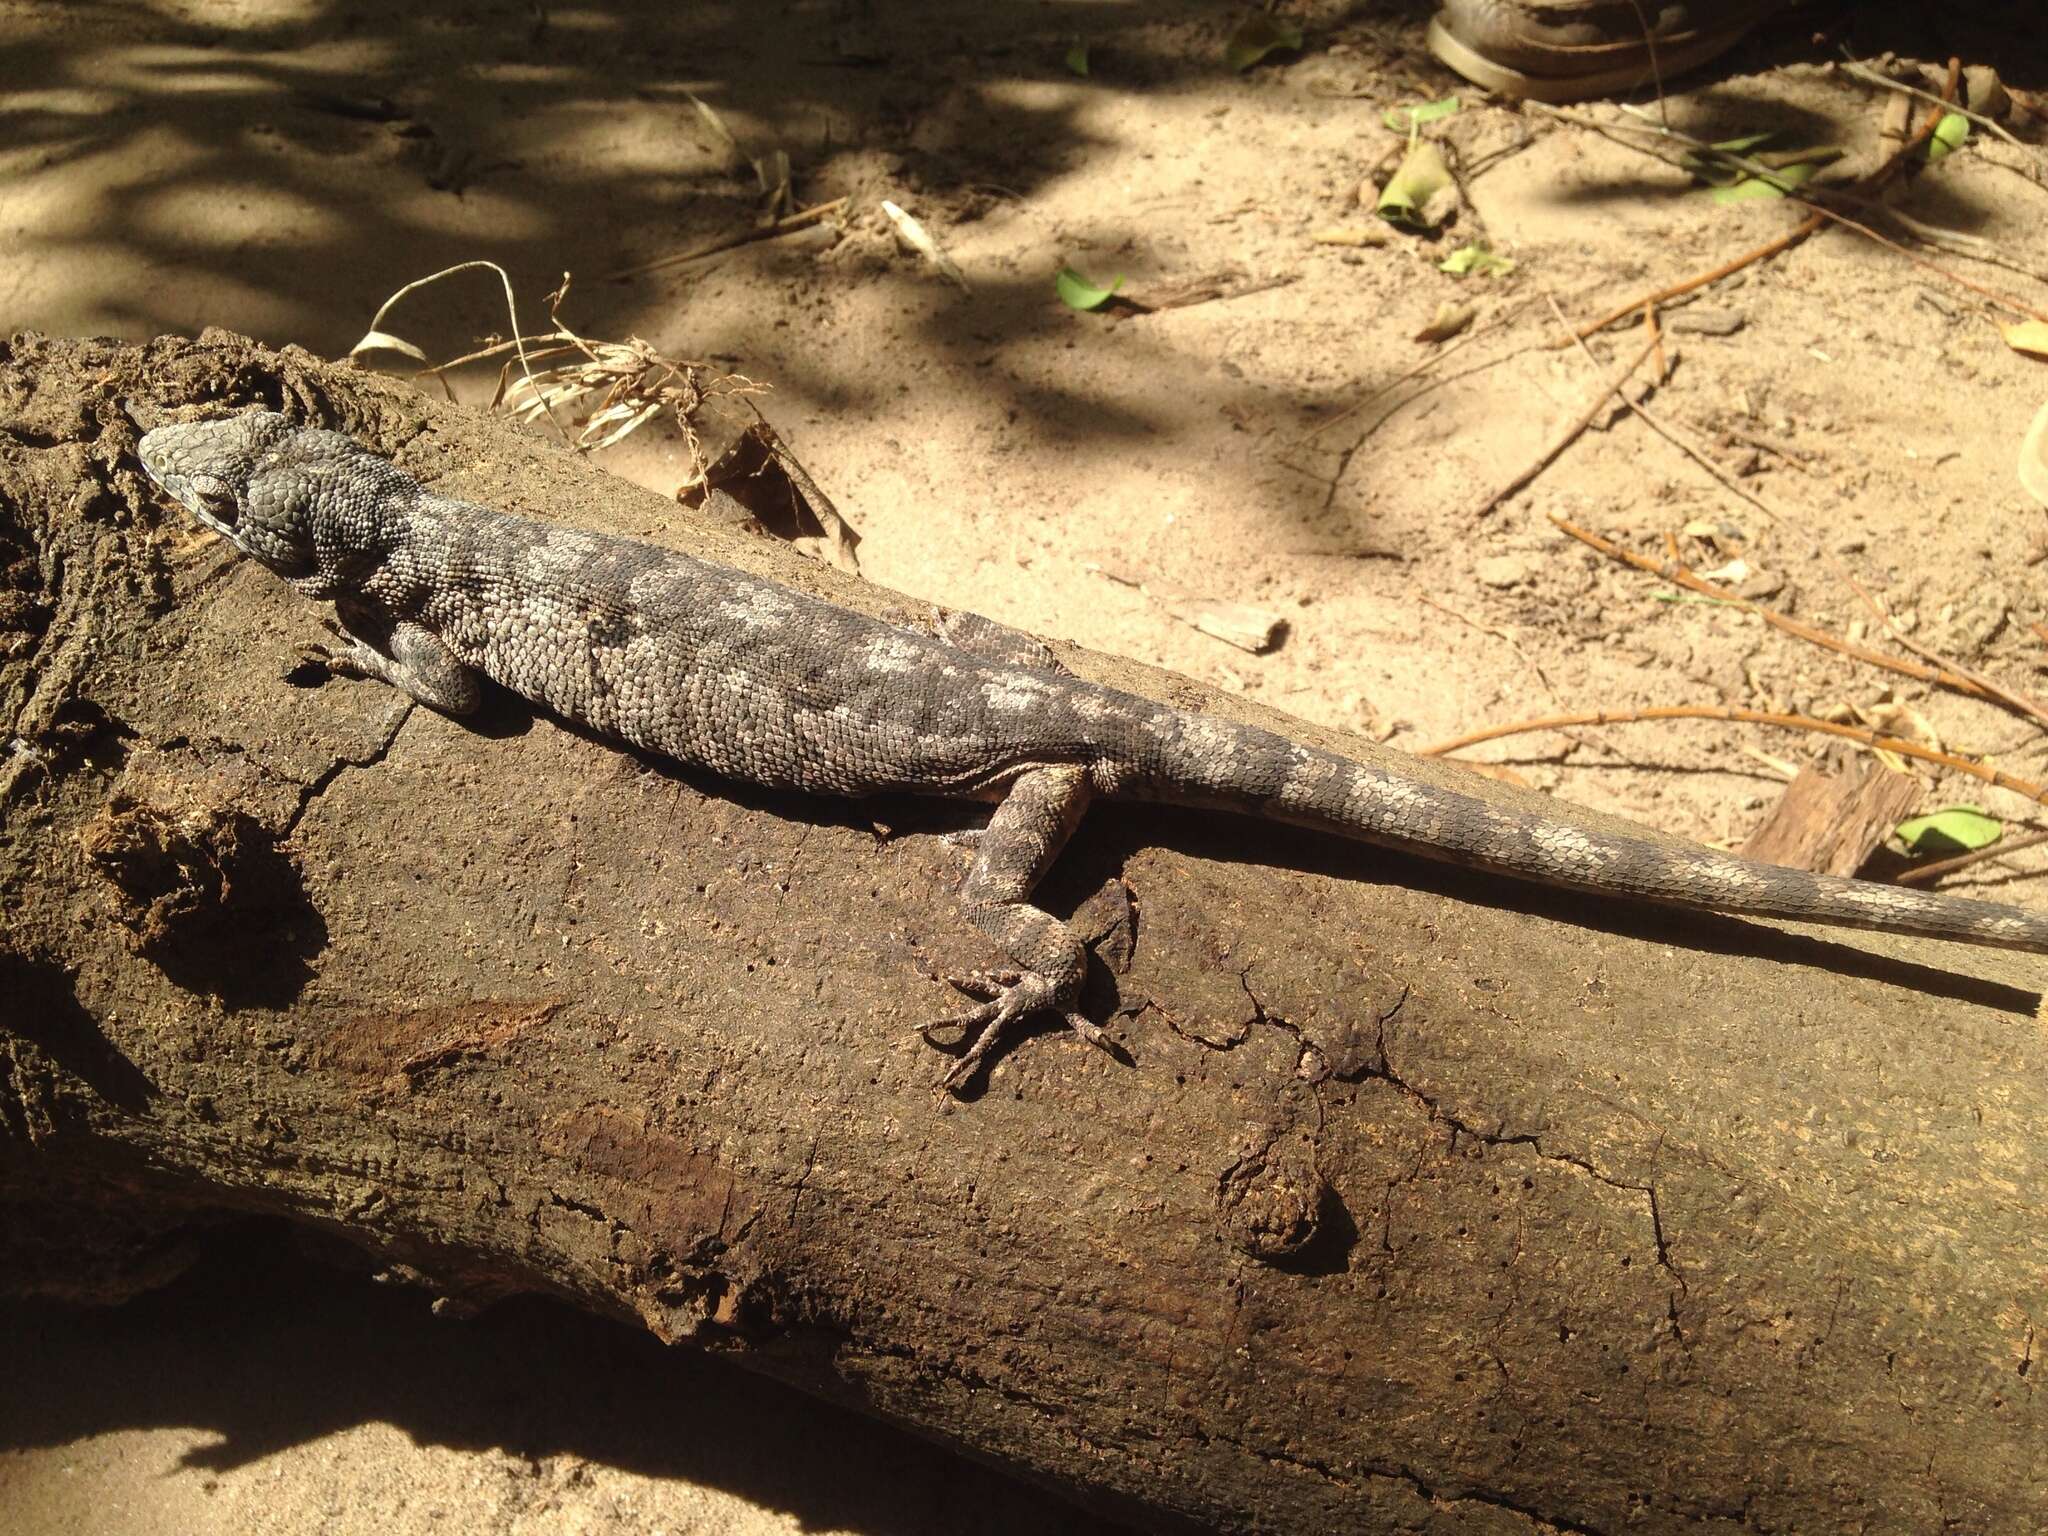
967	1023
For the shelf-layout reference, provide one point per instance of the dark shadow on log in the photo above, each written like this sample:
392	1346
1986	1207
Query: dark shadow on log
263	1347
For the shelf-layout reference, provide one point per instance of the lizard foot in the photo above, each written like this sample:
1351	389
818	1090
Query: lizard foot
1010	996
336	662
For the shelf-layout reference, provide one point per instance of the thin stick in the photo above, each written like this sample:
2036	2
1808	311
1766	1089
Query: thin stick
1727	268
1427	363
1976	769
782	226
1861	72
1569	435
511	308
1924	874
2011	698
1941	671
1678	575
1807	226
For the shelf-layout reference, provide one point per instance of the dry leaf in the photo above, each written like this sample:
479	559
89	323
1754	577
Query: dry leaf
1451	317
2028	336
919	239
1239	624
384	341
2034	457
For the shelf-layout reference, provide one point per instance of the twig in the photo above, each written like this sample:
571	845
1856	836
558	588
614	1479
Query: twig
518	343
1954	241
1727	269
1427	363
1564	439
782	226
1498	634
1678	575
1851	67
1941	671
1807	226
1924	874
1820	210
1976	769
2011	698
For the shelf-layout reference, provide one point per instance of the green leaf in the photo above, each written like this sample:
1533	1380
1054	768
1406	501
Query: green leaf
1948	135
1751	189
1954	829
1475	258
1076	292
1414	195
1258	35
1077	57
1717	172
1408	119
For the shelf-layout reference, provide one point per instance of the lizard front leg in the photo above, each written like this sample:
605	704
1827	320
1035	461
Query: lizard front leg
405	654
1030	826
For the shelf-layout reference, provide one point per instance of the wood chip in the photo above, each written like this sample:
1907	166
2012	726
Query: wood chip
1833	816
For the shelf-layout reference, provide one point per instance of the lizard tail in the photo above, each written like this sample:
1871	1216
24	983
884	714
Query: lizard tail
1268	776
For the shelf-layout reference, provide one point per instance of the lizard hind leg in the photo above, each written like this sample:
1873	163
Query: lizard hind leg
1029	828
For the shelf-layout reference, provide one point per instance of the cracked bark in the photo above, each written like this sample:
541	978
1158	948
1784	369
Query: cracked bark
1427	1205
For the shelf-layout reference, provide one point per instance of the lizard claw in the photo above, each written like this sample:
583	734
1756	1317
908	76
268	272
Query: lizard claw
1011	996
336	661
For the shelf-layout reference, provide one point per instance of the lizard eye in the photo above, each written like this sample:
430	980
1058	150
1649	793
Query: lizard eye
216	500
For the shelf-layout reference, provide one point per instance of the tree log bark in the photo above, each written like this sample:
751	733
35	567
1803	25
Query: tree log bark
1425	1203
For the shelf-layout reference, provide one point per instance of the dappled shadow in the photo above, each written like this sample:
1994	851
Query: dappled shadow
282	175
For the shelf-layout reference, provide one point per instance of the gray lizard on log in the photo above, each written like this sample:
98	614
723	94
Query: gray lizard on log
757	682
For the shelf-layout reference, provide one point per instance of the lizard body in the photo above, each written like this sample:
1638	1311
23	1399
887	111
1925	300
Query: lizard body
758	682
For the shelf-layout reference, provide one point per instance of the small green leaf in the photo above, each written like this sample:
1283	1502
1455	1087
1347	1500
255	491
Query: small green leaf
1716	171
1418	195
1077	57
1258	35
1475	258
1076	292
1751	189
1954	829
1948	135
1408	119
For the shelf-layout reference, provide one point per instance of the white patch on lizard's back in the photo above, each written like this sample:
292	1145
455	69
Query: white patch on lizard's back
1883	898
1730	876
1211	739
562	550
1567	844
1016	692
658	589
888	652
757	605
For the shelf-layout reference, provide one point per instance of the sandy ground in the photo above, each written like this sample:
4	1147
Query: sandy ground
281	166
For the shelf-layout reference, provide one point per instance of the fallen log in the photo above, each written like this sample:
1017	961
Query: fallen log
1421	1202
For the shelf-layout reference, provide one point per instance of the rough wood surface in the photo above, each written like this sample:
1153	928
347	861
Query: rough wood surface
1835	814
1426	1203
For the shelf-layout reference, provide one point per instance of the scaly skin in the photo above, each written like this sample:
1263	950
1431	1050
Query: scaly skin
760	683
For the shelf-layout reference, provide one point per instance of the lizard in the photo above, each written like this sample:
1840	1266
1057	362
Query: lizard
755	681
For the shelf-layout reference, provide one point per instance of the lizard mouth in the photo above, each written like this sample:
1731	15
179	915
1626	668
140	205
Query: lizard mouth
206	498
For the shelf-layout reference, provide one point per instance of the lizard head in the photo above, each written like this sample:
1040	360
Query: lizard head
242	477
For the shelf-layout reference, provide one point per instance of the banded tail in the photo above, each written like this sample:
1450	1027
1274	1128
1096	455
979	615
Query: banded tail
1258	773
